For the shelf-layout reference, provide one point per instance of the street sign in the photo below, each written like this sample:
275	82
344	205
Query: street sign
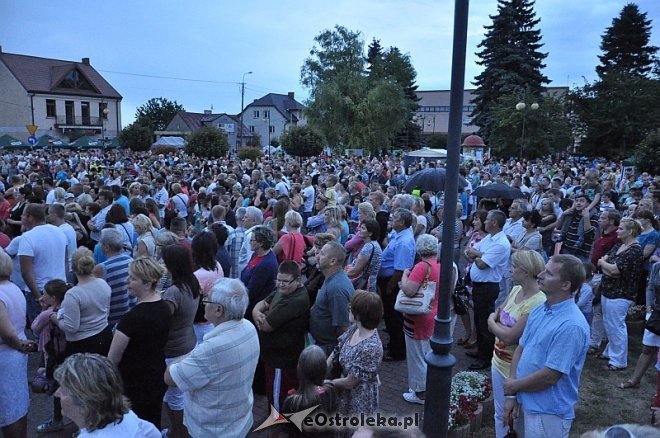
32	140
31	129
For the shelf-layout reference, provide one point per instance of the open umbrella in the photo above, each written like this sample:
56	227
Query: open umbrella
498	190
9	142
432	179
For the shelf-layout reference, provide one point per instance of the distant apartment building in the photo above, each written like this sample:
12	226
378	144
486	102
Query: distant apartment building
273	114
62	98
433	112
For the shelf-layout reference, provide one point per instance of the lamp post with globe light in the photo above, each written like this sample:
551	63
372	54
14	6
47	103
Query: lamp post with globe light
522	106
106	111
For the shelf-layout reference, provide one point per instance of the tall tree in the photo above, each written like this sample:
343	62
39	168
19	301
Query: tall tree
157	113
625	44
615	113
512	60
354	106
547	128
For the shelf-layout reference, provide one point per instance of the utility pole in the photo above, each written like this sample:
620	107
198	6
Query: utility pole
240	128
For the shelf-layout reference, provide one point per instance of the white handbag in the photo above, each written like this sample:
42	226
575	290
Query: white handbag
420	303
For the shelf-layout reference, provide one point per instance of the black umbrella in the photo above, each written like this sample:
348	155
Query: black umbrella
499	190
432	179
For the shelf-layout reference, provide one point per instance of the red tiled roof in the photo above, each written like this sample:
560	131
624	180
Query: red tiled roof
42	75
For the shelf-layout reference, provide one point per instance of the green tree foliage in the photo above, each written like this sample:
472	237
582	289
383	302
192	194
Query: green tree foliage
353	106
510	54
254	141
437	141
615	113
547	129
302	141
136	137
207	142
625	44
250	153
157	113
646	154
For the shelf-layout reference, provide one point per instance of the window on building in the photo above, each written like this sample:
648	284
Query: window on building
103	106
51	110
266	114
271	129
251	127
75	80
255	114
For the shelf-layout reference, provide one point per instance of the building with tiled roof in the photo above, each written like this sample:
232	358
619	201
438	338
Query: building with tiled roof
184	123
62	98
272	114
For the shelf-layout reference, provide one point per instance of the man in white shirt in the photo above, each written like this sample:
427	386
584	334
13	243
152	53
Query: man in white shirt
56	217
308	198
179	200
216	377
42	254
491	259
97	223
161	196
281	187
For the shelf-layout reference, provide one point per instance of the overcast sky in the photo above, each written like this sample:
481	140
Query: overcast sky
212	43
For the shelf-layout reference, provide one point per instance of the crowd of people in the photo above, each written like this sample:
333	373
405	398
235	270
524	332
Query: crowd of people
148	281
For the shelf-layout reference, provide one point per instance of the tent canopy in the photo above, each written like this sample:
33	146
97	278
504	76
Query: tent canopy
46	141
176	142
87	142
9	142
427	153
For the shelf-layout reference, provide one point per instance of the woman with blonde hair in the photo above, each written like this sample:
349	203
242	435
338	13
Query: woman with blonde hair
354	245
91	395
508	322
334	220
138	345
146	242
291	246
622	271
83	317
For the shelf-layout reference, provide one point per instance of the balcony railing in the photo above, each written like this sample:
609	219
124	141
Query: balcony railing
79	121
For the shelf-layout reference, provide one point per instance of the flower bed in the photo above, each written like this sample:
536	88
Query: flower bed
468	389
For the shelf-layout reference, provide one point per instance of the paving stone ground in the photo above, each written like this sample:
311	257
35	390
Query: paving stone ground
393	377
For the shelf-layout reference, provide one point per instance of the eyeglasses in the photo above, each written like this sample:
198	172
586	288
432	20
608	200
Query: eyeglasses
278	281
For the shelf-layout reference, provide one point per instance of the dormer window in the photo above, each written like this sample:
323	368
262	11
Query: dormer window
75	80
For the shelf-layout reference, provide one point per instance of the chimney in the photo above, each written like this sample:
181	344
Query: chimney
291	94
207	112
85	61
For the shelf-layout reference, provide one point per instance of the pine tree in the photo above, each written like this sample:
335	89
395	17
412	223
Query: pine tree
616	112
625	44
374	58
511	59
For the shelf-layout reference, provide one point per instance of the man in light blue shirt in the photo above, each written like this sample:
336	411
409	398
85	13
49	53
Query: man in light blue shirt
546	366
490	260
398	256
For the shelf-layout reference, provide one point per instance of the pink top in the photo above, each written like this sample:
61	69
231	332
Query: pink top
421	326
293	247
208	278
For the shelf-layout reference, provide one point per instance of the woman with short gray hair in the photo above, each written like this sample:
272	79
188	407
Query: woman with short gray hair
419	328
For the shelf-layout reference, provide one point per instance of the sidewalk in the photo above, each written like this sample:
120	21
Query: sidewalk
393	377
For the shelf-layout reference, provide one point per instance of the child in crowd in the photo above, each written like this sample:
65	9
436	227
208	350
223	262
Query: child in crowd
311	391
52	342
584	297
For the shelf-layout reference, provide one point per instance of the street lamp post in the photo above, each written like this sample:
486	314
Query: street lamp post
522	106
418	119
103	119
240	128
440	361
267	121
